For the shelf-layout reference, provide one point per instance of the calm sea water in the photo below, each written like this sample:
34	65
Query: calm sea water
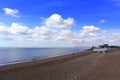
17	55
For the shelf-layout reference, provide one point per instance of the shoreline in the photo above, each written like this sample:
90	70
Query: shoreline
45	60
35	54
87	65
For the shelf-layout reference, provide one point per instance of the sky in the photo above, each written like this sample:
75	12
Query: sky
59	23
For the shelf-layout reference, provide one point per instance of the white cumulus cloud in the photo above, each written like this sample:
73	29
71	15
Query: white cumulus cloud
56	21
4	30
11	12
18	29
89	29
41	34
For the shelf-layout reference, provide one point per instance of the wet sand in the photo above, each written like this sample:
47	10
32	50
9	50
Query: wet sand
87	65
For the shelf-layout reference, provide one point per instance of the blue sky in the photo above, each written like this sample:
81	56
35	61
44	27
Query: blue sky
68	23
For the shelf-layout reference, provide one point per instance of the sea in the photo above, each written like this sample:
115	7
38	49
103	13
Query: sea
18	55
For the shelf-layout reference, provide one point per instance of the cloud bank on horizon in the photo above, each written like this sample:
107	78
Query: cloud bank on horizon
56	30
